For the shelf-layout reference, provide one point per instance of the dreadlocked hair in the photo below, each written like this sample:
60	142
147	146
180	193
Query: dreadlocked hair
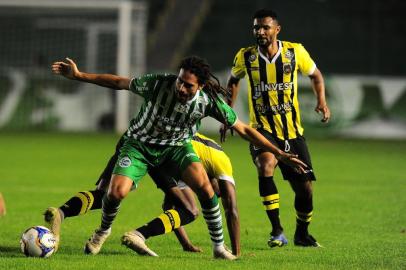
201	69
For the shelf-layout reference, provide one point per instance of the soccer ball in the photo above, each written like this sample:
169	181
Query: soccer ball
38	241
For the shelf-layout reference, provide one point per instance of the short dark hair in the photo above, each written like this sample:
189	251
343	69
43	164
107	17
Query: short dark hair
198	66
262	13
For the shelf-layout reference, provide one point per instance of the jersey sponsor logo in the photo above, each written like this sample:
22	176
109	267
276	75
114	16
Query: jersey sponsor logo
181	108
142	88
191	155
274	109
125	162
166	121
266	87
287	68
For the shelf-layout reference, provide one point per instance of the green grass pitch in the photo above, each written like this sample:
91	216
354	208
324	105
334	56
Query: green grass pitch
359	214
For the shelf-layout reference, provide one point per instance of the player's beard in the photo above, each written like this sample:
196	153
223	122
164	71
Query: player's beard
263	42
182	98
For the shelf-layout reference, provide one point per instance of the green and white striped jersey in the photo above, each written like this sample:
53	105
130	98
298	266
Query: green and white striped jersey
165	121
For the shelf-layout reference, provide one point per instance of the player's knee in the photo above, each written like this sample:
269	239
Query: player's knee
204	190
117	193
266	166
306	190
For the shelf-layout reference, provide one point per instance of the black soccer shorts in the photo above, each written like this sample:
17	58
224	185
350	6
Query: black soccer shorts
296	146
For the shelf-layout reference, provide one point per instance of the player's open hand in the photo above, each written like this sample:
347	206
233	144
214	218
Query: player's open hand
67	69
223	132
293	161
323	108
192	248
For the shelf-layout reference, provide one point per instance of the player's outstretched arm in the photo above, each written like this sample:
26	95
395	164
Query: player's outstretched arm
257	139
69	70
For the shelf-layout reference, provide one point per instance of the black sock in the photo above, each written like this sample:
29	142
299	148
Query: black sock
270	200
304	213
167	222
82	202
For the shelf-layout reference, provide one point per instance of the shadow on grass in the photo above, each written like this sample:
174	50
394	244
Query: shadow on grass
10	251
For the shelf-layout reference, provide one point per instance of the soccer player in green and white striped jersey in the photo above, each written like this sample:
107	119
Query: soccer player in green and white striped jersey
160	135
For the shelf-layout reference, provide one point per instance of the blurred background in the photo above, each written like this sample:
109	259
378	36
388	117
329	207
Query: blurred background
358	45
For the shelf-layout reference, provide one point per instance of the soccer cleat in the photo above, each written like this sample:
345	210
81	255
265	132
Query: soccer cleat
277	241
95	243
53	218
136	241
306	240
224	253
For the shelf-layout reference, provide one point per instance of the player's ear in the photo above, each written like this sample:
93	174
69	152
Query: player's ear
278	28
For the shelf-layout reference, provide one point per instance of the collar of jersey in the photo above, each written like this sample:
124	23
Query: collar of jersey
275	56
194	98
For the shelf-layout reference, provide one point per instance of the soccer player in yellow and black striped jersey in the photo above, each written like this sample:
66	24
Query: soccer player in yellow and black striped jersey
270	68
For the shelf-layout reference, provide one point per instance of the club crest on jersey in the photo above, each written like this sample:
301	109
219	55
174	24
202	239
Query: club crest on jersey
195	116
287	68
181	108
289	55
252	58
125	162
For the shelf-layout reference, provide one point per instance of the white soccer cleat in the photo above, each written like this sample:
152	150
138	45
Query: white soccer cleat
53	218
95	243
223	253
136	241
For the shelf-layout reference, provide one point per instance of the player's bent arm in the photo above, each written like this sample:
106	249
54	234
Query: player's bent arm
233	87
318	87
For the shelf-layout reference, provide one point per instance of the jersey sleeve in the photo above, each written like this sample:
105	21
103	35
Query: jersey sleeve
143	85
223	113
239	69
305	63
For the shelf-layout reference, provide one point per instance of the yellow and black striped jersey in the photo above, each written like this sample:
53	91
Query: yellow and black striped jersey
213	158
272	86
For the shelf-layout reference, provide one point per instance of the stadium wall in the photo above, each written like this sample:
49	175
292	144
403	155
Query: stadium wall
362	106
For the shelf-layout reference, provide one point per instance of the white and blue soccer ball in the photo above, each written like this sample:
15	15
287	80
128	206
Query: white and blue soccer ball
38	241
